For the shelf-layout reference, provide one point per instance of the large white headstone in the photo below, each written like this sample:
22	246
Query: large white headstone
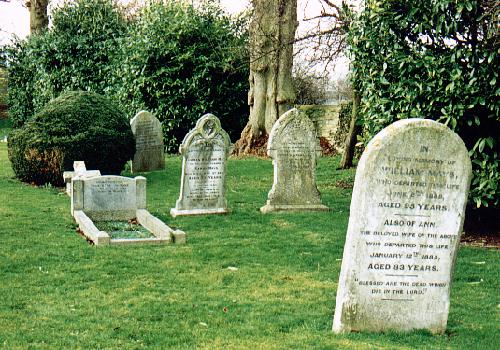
405	223
294	147
149	154
204	160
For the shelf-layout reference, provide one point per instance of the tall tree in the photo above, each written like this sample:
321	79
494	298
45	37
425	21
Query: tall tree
39	18
272	32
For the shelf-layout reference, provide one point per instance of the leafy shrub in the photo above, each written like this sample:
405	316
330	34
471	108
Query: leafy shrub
183	62
437	60
3	88
174	60
79	52
75	126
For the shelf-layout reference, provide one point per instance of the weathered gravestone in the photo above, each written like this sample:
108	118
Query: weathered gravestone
294	147
148	134
204	159
405	223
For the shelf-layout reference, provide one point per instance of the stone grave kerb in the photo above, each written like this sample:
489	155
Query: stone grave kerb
431	314
117	198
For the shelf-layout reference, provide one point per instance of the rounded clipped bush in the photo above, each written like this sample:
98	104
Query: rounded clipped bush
74	126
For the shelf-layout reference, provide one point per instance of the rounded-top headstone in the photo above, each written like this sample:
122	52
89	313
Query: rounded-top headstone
149	154
294	147
404	229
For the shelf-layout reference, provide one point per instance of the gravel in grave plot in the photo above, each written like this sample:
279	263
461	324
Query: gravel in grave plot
122	229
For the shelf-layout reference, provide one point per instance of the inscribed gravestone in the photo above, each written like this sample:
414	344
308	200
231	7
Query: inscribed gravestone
404	229
148	143
294	147
204	157
109	197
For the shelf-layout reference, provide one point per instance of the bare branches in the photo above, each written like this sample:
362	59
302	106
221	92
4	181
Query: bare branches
325	39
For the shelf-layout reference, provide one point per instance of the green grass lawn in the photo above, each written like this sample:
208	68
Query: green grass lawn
57	291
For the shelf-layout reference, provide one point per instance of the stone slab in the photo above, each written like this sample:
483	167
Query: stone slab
154	225
138	241
107	198
149	154
404	230
90	230
294	147
204	162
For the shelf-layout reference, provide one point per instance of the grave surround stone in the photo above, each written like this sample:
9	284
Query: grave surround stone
204	161
294	147
149	154
406	218
116	198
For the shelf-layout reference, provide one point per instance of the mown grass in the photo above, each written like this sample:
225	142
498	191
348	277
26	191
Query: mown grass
59	292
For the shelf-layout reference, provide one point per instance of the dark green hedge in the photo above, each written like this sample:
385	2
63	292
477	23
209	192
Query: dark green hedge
437	60
170	58
181	62
75	126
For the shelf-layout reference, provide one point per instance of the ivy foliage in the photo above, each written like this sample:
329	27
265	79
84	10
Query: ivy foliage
435	59
79	52
174	60
181	62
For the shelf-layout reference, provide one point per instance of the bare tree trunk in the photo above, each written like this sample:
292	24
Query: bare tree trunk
39	18
350	141
272	32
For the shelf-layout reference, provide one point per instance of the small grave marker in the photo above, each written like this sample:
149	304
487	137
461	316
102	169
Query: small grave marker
79	169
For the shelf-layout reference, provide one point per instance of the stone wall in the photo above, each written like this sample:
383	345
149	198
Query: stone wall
328	122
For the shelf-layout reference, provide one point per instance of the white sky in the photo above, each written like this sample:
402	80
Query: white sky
14	20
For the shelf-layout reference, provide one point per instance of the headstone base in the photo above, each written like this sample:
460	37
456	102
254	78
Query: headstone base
268	208
183	212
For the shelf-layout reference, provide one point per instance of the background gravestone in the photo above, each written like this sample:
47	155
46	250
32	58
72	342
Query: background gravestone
204	160
149	154
293	145
405	223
